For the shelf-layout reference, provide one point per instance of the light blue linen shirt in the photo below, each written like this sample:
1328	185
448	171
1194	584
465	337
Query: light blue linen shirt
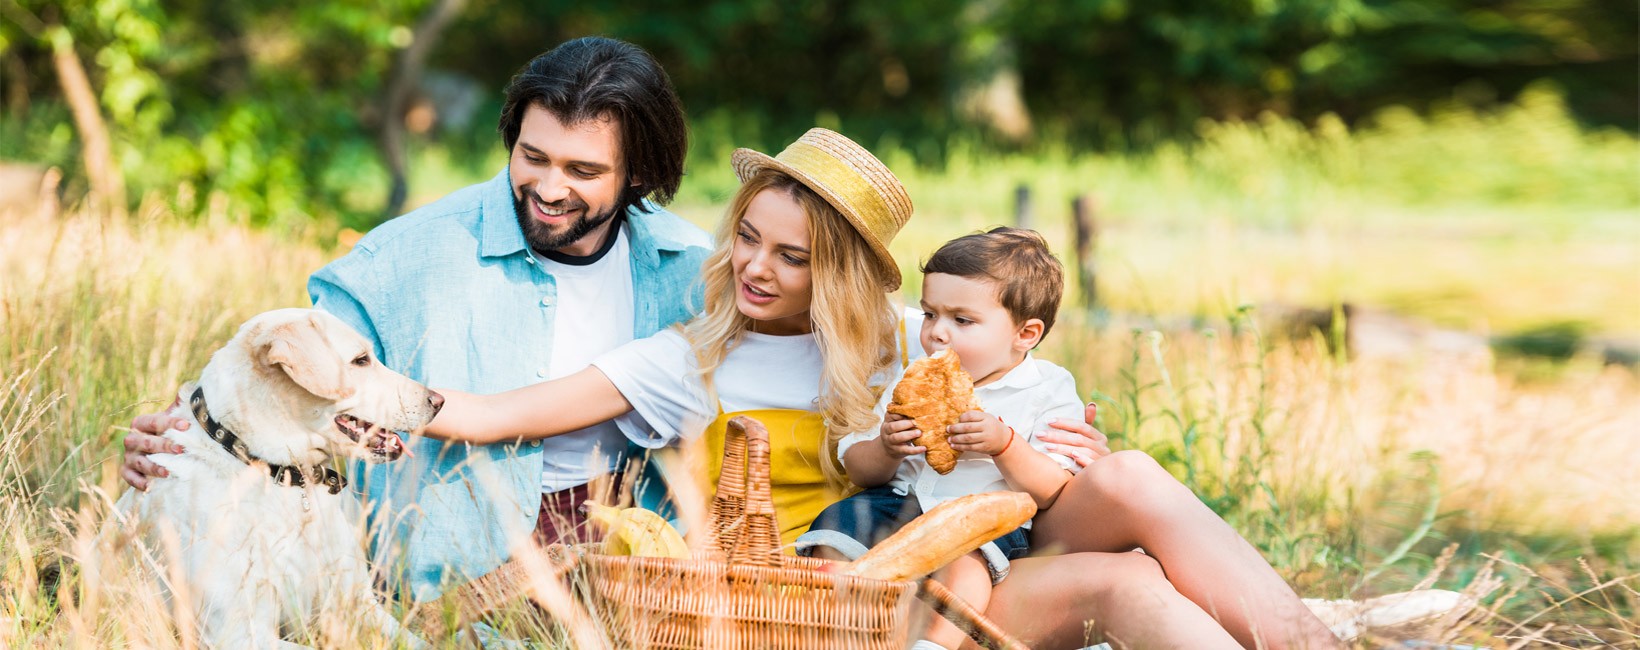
452	296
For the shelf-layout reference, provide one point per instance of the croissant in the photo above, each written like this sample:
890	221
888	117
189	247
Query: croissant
934	392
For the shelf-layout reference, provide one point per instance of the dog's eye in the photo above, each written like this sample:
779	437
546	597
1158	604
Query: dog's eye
362	360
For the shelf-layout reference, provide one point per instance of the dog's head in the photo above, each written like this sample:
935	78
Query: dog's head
328	377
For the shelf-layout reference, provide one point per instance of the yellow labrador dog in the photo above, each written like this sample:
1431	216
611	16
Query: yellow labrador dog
269	539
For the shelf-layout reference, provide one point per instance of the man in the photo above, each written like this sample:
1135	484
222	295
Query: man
527	277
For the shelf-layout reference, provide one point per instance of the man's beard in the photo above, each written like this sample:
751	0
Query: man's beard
543	238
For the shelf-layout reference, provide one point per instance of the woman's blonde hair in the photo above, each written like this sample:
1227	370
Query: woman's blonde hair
851	316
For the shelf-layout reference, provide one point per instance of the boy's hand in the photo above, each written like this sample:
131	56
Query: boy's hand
898	436
979	431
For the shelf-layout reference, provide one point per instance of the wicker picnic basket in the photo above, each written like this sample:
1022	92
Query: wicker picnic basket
742	592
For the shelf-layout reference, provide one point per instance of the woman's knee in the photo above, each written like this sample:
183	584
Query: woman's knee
1133	481
1112	577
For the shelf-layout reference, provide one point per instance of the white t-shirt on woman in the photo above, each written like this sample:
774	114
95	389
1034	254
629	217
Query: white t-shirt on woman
657	376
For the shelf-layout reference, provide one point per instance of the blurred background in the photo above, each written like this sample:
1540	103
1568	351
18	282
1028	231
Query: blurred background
1499	122
1365	274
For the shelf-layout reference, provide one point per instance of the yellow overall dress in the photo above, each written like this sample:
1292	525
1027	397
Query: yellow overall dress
797	482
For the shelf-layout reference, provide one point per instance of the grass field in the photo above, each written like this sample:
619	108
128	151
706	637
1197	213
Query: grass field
1353	477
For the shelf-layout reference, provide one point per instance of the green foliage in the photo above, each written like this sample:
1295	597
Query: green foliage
260	103
277	106
1554	341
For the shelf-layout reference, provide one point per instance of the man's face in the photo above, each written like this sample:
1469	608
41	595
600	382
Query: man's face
567	180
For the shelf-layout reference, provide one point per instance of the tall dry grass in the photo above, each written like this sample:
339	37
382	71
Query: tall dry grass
1350	476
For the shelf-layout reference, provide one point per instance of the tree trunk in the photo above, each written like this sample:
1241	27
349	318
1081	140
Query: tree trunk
407	72
107	184
991	93
17	99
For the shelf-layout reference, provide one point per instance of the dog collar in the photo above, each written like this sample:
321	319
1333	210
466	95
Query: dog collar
287	475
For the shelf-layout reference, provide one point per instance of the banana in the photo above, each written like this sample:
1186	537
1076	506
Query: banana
637	532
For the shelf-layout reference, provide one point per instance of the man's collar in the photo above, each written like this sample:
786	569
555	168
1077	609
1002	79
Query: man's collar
498	219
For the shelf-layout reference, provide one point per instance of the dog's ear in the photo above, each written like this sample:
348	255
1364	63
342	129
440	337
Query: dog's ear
301	350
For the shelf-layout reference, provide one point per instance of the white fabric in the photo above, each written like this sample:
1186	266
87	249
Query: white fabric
1032	394
657	375
594	315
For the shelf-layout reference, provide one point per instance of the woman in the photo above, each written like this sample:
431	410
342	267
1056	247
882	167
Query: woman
797	329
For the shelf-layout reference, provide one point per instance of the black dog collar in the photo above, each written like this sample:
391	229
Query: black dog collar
282	474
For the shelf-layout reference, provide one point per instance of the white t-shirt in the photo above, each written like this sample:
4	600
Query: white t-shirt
594	315
657	375
1026	398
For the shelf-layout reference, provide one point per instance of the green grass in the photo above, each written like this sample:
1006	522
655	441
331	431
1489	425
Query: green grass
1352	477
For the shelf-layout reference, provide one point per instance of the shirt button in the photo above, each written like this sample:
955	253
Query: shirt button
546	301
535	443
541	374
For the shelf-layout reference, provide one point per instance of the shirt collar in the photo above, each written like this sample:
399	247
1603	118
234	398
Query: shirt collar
647	242
1024	375
498	221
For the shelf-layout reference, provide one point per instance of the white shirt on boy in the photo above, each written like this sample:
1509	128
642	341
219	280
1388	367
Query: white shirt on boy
1027	398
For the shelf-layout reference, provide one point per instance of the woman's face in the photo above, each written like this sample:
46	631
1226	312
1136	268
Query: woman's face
771	263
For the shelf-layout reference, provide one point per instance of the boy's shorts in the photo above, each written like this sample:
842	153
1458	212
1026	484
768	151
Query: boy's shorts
862	521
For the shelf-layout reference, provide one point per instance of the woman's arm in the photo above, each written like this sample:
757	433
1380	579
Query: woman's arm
530	413
1078	440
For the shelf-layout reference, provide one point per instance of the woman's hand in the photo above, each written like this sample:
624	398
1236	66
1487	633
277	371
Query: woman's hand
898	436
144	439
980	432
1077	440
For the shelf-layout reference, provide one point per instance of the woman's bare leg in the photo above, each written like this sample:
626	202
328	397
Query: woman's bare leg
1066	601
1126	500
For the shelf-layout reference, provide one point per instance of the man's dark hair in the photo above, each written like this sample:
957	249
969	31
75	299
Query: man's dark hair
593	77
1029	279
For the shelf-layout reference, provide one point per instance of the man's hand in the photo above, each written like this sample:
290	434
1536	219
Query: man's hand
1077	440
898	436
981	432
144	439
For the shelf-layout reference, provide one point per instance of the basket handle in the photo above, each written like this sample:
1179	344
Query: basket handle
965	617
743	517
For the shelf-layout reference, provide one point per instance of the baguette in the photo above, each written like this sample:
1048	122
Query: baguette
941	535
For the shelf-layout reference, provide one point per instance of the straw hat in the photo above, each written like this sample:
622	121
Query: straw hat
850	179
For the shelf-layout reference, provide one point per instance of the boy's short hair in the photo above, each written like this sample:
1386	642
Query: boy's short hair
1029	278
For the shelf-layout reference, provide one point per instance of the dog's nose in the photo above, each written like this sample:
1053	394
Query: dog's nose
436	400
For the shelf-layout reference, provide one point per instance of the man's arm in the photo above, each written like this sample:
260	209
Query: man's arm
334	288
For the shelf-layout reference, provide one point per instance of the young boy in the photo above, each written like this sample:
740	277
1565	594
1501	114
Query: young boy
990	298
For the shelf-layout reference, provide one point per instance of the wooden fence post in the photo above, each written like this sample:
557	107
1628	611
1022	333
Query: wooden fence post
1086	230
1022	206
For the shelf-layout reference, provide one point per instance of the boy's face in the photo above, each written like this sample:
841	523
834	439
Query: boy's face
966	315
